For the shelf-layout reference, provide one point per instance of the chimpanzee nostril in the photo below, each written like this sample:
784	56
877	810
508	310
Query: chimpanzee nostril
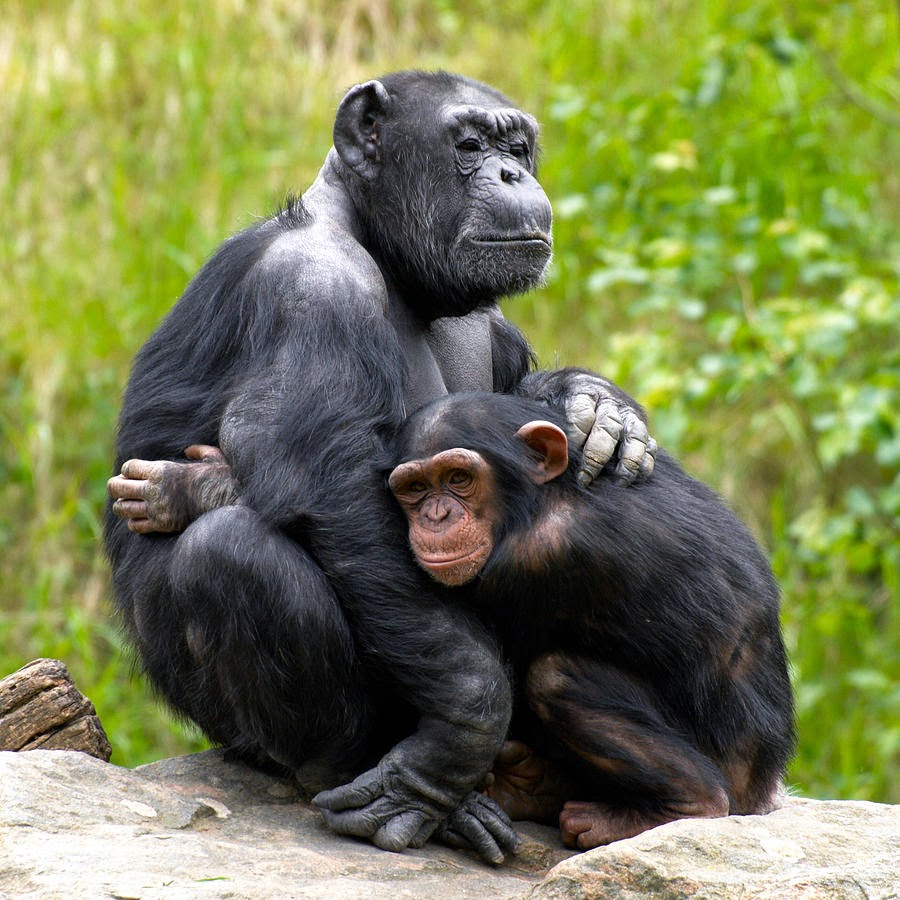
437	510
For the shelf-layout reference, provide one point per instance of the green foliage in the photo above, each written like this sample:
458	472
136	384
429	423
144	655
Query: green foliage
724	177
727	245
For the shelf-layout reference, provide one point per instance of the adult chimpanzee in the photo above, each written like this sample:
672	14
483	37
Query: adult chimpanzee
641	622
287	619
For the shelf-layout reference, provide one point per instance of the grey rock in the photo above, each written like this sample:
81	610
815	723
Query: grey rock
201	827
807	850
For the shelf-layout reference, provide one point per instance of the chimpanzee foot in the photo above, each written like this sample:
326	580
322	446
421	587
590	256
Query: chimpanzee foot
525	785
585	825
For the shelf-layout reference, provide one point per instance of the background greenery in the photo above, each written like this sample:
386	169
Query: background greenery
726	181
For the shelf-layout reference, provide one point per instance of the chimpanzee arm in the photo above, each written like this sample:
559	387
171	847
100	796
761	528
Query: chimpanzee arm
511	356
609	425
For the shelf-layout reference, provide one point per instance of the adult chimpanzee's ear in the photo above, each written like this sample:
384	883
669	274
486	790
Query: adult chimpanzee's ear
357	127
551	447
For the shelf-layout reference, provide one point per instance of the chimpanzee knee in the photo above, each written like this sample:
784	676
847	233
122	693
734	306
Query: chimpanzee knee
559	683
261	620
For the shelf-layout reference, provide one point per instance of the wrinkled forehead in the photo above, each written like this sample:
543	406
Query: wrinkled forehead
491	120
433	468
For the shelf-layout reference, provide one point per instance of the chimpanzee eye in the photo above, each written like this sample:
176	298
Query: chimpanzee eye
459	478
416	487
469	145
520	151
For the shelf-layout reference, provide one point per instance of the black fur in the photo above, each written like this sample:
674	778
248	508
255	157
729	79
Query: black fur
643	629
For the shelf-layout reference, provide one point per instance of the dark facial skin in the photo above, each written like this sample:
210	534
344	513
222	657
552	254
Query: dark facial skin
494	150
476	214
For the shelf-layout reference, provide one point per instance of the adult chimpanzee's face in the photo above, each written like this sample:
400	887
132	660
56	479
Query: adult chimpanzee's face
449	197
477	222
504	228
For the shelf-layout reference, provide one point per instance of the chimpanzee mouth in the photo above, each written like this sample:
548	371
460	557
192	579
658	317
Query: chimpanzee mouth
454	570
446	562
529	238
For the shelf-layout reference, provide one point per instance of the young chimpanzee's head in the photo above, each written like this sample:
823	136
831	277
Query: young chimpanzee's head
442	172
470	468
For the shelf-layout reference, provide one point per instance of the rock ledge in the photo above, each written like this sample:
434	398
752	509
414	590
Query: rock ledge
200	827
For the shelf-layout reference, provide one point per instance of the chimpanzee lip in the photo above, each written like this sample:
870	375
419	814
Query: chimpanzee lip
436	561
529	237
446	562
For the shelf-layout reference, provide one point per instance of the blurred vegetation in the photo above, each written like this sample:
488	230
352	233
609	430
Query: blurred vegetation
726	181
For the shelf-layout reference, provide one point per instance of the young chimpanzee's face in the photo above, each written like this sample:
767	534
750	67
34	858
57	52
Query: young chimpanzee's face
454	503
451	504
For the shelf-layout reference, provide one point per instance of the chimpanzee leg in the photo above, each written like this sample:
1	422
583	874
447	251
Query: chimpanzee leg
260	636
640	771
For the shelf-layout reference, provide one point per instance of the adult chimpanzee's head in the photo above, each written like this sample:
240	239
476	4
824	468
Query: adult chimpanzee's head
471	472
441	170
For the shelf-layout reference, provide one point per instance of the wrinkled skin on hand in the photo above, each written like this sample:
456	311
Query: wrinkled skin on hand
608	430
396	806
479	824
165	496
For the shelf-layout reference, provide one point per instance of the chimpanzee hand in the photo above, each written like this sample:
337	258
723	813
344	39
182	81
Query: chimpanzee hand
608	426
165	496
395	807
608	429
479	824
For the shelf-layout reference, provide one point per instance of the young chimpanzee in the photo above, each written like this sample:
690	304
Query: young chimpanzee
641	623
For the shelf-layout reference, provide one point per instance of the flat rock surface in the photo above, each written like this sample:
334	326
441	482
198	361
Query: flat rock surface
200	827
197	826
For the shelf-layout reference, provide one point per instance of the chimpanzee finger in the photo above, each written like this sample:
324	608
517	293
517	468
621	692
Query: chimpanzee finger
602	441
121	488
400	830
205	453
141	469
649	460
358	793
425	832
365	822
480	824
478	838
581	414
496	821
634	446
446	835
131	509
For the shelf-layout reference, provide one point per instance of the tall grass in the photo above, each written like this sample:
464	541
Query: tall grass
725	179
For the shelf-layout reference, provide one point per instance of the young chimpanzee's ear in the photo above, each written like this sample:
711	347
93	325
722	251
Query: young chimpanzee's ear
357	127
549	445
